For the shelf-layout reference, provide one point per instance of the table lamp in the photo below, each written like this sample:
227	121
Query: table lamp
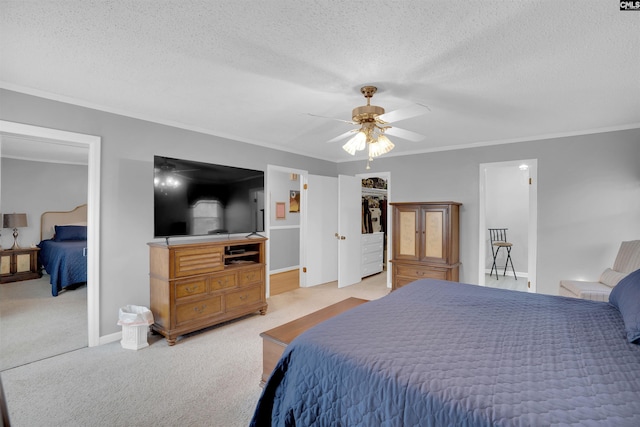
15	221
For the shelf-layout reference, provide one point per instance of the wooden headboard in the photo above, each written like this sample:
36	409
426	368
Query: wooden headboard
48	220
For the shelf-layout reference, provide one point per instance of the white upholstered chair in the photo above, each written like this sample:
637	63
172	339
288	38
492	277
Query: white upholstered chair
627	261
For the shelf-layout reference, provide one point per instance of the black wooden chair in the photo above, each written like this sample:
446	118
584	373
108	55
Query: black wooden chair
498	237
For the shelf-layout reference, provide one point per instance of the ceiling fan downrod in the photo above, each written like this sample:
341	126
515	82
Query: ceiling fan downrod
367	113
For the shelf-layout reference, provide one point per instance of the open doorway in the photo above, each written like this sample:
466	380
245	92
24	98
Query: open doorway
51	137
285	213
377	186
335	209
508	199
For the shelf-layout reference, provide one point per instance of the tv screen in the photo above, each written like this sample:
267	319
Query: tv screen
194	198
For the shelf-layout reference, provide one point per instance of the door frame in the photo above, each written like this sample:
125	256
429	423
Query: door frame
92	142
532	165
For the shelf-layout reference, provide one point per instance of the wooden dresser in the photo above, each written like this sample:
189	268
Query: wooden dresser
197	285
425	241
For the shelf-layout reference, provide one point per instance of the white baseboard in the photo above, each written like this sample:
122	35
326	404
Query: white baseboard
106	339
509	272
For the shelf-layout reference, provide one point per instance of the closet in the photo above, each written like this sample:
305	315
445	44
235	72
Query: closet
374	225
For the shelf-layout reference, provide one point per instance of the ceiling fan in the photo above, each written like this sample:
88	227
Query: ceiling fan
375	126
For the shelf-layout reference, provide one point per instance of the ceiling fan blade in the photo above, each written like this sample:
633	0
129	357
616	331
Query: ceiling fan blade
343	136
332	118
404	113
404	134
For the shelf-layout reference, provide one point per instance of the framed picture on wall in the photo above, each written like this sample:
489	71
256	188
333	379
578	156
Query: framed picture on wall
294	201
280	210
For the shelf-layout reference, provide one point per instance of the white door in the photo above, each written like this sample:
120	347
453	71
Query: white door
349	230
321	245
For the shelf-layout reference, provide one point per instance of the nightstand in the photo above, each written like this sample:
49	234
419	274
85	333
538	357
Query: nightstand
19	264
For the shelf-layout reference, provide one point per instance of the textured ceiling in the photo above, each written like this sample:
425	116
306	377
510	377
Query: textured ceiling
490	71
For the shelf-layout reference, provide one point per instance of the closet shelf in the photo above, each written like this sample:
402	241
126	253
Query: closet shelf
374	191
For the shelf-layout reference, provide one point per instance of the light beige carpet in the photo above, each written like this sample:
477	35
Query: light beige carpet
34	325
209	378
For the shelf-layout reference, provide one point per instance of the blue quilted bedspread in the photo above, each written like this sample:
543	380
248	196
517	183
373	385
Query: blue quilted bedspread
66	262
437	353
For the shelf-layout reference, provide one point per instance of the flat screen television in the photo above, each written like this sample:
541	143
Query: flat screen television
194	199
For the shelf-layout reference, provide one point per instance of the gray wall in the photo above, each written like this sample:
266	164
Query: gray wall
588	191
35	187
128	147
287	240
588	197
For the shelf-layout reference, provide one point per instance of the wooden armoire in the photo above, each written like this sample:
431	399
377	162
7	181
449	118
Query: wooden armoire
426	241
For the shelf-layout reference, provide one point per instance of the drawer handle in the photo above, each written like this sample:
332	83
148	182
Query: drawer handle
191	290
223	282
250	276
200	309
244	297
419	273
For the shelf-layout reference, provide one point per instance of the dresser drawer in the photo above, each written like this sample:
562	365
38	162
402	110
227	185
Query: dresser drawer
249	276
372	247
189	262
244	297
416	272
371	268
198	310
371	257
372	238
189	287
223	281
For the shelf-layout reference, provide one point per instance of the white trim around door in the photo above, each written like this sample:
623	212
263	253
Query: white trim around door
93	208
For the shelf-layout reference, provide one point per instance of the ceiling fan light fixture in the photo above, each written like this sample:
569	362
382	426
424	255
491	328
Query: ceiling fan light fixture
357	143
381	146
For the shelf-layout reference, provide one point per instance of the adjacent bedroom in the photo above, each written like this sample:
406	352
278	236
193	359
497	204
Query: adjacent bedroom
43	300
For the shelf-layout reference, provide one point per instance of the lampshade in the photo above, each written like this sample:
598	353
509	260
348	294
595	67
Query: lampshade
381	146
14	220
357	143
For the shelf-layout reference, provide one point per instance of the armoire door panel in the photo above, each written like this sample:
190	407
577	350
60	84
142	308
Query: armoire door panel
408	237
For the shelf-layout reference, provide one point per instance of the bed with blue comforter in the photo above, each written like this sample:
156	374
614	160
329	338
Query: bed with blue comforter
437	353
65	259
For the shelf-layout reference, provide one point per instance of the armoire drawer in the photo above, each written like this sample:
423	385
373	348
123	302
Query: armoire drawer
420	272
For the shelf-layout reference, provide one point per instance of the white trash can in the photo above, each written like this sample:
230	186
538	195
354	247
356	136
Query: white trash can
135	321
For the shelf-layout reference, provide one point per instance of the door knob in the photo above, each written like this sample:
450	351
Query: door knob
339	237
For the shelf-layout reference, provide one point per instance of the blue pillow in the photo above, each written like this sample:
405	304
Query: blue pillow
70	232
625	296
